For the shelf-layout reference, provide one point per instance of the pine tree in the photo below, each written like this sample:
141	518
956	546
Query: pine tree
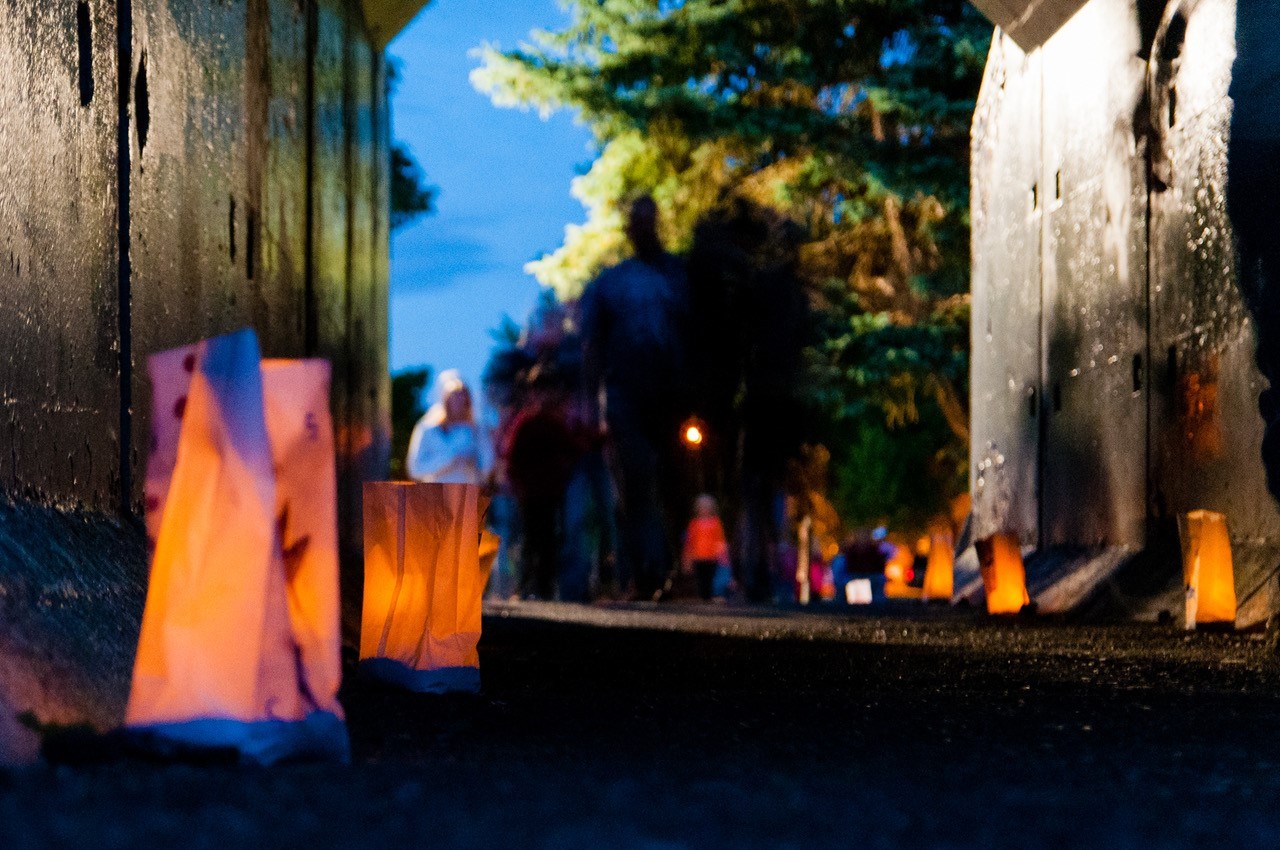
849	117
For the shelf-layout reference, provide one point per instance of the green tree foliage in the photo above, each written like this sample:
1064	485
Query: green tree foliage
411	198
850	118
407	408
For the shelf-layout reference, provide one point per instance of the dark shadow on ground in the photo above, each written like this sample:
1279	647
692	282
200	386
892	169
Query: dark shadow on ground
636	728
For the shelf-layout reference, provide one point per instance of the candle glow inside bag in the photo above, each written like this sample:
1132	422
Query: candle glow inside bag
427	560
239	647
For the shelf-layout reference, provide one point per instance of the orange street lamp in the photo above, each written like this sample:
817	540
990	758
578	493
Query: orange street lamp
693	434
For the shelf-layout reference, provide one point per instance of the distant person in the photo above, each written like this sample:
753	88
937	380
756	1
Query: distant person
633	319
706	551
541	456
552	465
862	554
821	581
447	446
753	324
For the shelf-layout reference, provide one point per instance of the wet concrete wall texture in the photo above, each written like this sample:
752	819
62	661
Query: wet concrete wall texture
1121	324
171	170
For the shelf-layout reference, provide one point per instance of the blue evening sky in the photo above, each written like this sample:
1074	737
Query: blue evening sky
503	178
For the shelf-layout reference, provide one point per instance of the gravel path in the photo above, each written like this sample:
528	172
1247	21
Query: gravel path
705	727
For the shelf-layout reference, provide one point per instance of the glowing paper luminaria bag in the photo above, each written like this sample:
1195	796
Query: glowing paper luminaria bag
240	643
1207	571
939	571
424	576
1003	573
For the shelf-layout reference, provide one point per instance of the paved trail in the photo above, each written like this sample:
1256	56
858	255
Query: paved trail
666	729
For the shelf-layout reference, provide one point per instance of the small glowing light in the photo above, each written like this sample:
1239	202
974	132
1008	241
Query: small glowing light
693	435
858	591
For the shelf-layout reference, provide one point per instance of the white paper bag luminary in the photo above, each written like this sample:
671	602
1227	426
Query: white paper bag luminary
1207	570
240	643
424	577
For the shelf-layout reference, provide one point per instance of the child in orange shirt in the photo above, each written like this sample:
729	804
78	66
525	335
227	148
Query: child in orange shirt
706	552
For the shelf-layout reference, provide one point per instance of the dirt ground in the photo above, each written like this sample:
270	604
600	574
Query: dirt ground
686	727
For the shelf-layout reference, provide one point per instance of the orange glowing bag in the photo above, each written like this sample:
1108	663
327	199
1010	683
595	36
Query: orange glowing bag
240	643
1207	570
1004	574
939	571
426	562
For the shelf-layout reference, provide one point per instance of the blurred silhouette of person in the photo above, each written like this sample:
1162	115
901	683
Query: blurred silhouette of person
706	551
541	458
447	446
861	555
752	321
551	465
633	319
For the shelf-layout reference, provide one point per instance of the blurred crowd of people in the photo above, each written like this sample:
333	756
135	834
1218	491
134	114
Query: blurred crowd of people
615	418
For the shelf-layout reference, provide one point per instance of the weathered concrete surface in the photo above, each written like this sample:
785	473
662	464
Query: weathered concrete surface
72	586
59	316
1093	281
169	170
1114	382
172	170
1006	400
634	728
1030	22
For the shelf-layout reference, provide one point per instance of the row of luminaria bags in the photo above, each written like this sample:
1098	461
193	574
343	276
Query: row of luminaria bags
240	649
240	642
1208	576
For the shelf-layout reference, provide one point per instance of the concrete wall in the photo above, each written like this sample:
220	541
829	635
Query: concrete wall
59	311
169	170
174	169
1114	384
